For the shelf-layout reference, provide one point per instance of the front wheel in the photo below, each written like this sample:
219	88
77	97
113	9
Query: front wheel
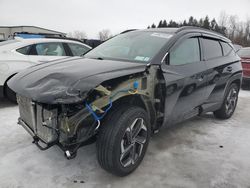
123	140
229	104
9	94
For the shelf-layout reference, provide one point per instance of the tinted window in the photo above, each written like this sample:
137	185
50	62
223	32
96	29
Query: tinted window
187	52
50	49
227	49
212	48
77	49
24	50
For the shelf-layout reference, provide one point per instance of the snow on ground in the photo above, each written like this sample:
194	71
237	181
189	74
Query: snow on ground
202	152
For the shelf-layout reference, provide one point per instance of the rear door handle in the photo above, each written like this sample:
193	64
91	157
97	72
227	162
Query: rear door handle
229	69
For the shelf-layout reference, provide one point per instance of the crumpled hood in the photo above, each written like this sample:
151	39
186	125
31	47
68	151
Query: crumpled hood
69	80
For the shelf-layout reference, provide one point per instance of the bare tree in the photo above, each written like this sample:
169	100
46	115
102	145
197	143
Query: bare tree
104	34
233	26
223	19
247	30
77	34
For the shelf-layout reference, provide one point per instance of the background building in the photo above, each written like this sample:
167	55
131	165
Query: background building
8	31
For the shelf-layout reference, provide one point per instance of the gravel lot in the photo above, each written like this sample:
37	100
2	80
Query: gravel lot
202	152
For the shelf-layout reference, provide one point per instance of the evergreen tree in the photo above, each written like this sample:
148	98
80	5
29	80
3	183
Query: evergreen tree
191	21
213	24
206	23
195	23
200	24
242	36
173	24
160	24
164	24
184	23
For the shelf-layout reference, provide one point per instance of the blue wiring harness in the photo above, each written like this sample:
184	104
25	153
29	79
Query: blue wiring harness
98	118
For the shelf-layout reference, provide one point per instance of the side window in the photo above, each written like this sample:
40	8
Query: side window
50	49
187	52
212	48
227	49
77	49
24	50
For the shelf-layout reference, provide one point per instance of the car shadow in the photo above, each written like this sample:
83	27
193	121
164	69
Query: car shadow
6	103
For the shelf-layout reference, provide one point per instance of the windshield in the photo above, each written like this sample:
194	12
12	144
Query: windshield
244	52
137	46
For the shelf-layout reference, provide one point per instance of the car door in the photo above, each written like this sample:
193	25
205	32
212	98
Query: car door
43	52
220	60
185	75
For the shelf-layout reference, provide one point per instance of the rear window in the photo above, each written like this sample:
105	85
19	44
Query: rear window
244	52
24	50
212	48
227	49
78	50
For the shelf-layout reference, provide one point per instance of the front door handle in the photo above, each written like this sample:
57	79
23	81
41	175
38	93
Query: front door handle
200	78
229	69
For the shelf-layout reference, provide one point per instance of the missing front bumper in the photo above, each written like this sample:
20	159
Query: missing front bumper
70	151
42	122
36	139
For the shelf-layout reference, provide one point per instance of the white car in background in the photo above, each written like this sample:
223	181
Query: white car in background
19	54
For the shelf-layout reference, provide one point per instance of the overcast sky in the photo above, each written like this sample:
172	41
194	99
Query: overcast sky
117	15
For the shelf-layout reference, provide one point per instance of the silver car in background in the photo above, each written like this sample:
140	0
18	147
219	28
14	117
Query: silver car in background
19	54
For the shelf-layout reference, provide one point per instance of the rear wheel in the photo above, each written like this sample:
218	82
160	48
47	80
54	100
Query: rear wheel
123	140
229	104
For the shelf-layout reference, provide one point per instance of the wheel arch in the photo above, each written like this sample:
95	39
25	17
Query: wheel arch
5	84
235	78
139	100
237	82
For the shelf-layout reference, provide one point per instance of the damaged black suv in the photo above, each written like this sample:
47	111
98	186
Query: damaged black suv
126	89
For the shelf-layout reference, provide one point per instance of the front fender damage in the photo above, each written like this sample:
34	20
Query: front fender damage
80	113
65	87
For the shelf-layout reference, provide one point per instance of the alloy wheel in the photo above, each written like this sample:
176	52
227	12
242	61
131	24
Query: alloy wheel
133	142
231	101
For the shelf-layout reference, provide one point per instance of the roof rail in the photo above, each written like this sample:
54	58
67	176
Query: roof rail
193	27
202	29
48	35
129	30
44	34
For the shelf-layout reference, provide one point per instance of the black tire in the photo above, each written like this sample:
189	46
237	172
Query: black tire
9	94
229	104
112	140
